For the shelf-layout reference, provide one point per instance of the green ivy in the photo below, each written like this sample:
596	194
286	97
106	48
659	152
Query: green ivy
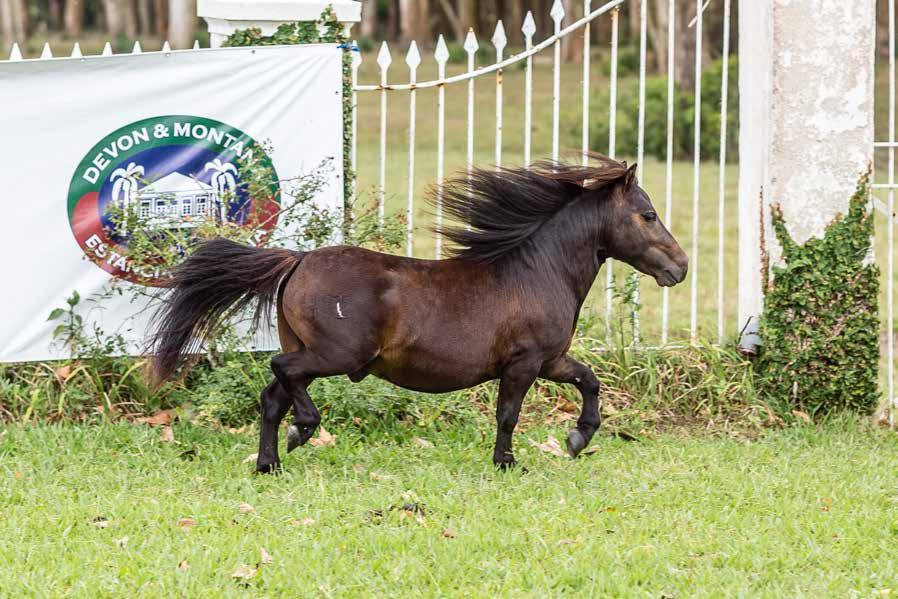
820	321
326	30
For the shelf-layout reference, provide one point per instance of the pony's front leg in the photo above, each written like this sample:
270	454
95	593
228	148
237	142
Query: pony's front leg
513	386
273	407
567	370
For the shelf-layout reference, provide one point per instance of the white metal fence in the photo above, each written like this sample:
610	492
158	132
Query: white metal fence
609	10
887	211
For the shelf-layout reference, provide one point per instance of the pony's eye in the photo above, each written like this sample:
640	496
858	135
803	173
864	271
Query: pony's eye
650	216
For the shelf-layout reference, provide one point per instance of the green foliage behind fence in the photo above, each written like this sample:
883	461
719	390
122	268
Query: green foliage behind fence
656	115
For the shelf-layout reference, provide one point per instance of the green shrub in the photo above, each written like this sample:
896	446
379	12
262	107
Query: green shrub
820	322
656	116
627	62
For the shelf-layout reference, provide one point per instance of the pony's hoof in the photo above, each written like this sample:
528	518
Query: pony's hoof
272	468
294	438
576	442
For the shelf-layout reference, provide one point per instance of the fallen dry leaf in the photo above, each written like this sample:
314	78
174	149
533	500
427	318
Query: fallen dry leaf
566	405
167	435
550	446
251	458
246	508
183	565
324	439
63	373
379	476
160	418
122	543
590	450
308	521
422	442
244	572
358	468
801	415
186	523
449	533
265	557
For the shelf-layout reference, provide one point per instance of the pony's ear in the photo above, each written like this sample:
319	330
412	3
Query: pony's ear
630	177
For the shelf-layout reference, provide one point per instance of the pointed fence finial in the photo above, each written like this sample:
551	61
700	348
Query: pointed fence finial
15	53
529	26
557	12
166	47
413	57
46	52
499	40
471	44
137	49
384	59
107	50
441	53
76	51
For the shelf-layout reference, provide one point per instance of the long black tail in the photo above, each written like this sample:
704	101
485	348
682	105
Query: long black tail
218	280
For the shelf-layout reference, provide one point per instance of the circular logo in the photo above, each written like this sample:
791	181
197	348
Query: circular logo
167	174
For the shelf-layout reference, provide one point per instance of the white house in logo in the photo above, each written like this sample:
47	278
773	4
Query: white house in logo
176	200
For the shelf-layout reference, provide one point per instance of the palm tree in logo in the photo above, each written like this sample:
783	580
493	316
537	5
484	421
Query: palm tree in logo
124	188
223	181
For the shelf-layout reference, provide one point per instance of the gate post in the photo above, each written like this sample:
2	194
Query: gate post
227	16
806	134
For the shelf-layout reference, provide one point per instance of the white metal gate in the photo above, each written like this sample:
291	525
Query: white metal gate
609	10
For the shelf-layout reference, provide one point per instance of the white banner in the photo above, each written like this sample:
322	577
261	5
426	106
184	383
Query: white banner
166	132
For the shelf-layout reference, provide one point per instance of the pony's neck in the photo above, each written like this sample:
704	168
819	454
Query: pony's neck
570	246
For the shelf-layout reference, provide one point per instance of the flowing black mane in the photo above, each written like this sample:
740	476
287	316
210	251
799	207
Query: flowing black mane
501	209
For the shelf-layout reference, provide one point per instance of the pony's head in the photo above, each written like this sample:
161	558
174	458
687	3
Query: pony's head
637	236
630	230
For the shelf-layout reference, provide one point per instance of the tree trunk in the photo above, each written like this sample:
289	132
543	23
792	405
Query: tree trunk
368	26
408	17
54	15
657	32
14	19
115	21
467	15
160	16
181	23
392	24
6	26
684	43
129	18
74	18
145	16
423	27
514	17
633	15
572	45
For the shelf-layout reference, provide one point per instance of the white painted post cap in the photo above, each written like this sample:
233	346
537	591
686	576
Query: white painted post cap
226	16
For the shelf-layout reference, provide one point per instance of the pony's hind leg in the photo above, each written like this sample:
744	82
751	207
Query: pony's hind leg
306	418
296	371
273	407
567	370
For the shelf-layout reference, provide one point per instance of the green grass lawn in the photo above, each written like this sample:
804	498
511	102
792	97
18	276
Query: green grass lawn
798	512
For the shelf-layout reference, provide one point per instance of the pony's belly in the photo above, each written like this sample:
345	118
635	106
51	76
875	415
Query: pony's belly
426	379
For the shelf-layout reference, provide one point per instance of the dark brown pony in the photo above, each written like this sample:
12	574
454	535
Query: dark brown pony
504	306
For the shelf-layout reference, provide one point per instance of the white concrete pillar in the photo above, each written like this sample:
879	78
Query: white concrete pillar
806	124
226	16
